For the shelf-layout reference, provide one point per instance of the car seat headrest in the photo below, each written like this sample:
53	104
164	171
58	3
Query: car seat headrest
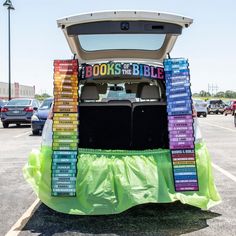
131	88
139	89
89	92
150	92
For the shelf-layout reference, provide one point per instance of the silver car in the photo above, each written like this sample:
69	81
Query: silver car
201	107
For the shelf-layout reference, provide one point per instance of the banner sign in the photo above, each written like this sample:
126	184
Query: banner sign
180	124
121	70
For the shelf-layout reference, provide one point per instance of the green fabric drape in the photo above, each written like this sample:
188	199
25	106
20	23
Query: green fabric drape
111	181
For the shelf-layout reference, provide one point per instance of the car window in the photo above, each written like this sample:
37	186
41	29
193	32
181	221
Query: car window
216	102
116	41
120	95
20	102
34	103
119	91
46	104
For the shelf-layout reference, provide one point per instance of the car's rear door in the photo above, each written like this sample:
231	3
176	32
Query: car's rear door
122	35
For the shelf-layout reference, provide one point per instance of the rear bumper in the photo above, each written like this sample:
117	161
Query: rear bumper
16	119
199	113
38	124
215	110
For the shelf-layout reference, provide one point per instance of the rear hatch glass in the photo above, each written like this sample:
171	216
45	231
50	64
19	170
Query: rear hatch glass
122	35
122	42
19	103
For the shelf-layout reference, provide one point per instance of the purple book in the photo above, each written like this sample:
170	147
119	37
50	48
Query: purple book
180	117
180	121
187	139
181	146
177	128
181	132
186	135
179	189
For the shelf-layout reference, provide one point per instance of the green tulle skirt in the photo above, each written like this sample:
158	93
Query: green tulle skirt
112	181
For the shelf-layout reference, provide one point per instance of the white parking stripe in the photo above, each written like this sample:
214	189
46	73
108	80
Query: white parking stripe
20	224
12	162
23	134
218	126
224	172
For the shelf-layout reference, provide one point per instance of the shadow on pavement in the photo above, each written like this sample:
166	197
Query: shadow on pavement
148	219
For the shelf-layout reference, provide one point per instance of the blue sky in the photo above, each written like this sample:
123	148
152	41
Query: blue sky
209	44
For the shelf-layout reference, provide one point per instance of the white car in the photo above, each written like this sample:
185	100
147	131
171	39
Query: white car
123	139
201	107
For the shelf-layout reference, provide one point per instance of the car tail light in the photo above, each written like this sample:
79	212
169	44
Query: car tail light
194	112
50	115
4	109
28	109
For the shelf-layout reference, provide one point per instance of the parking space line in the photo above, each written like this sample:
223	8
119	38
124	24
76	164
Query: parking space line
224	172
20	135
14	162
218	126
20	224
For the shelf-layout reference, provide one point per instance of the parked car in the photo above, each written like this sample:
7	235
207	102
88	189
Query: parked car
201	107
233	106
228	109
40	116
18	111
123	157
235	119
215	106
2	104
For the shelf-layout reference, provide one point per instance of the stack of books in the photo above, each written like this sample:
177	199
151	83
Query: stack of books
65	128
180	124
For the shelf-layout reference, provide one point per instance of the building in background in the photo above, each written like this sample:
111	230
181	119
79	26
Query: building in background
17	91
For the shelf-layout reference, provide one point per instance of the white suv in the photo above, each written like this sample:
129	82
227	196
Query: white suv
125	154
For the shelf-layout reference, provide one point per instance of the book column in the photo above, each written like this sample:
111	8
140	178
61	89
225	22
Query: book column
180	124
65	128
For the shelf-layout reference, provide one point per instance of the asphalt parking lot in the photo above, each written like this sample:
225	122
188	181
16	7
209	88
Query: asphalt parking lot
151	219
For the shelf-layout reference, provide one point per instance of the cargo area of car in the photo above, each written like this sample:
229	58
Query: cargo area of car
138	37
132	124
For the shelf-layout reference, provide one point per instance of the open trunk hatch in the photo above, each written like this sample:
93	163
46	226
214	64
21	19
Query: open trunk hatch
122	35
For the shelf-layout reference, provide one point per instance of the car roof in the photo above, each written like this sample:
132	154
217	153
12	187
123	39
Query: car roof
23	99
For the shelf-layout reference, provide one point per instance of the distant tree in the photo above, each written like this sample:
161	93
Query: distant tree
45	95
220	94
41	97
37	96
203	93
196	95
230	94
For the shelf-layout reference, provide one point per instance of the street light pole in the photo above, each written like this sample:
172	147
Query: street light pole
10	7
9	53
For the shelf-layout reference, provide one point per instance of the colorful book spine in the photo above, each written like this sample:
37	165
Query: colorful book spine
65	128
180	124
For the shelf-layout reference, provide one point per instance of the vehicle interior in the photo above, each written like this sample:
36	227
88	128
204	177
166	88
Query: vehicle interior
123	115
